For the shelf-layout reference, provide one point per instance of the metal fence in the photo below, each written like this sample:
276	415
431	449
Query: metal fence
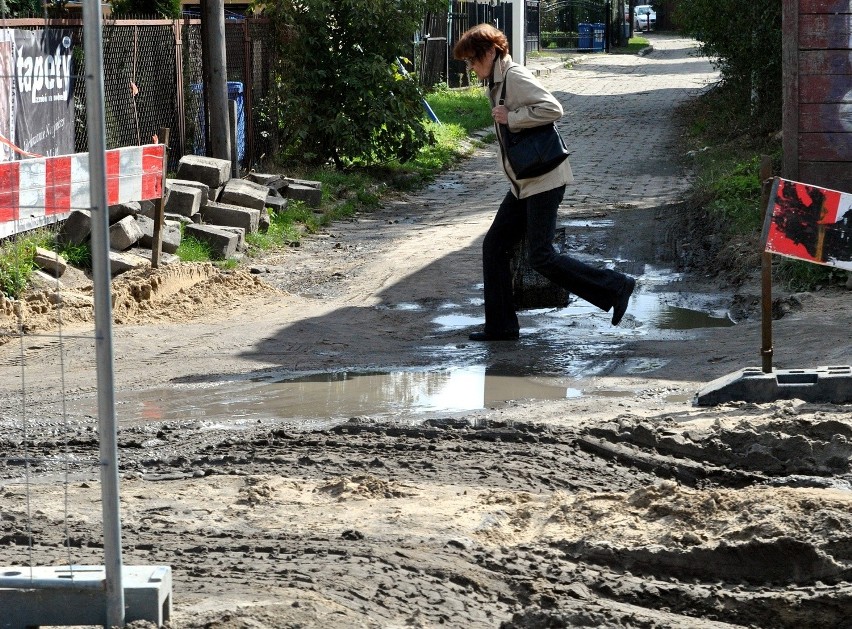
152	79
152	74
562	23
441	31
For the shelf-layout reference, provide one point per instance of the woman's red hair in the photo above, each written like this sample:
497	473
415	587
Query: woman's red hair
475	43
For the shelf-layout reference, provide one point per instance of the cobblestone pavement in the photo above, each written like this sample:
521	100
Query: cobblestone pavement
618	121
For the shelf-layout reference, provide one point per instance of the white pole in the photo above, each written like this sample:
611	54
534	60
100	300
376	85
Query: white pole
93	49
519	35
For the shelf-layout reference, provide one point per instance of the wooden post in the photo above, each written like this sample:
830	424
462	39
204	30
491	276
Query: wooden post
215	77
159	209
766	270
177	28
790	69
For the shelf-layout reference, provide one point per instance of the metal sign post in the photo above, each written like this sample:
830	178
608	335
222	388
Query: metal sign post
93	46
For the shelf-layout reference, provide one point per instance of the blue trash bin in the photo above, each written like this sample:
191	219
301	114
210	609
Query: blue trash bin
235	93
198	137
598	36
584	30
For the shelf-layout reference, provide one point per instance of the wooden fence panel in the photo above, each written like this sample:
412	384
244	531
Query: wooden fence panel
817	58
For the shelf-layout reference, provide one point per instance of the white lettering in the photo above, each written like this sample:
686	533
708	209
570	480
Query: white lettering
38	79
44	78
49	72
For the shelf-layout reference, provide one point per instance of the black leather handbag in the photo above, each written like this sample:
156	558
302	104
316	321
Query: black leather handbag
532	151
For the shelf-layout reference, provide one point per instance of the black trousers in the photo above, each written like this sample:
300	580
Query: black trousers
535	218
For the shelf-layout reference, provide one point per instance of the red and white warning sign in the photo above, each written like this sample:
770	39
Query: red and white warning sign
809	223
40	191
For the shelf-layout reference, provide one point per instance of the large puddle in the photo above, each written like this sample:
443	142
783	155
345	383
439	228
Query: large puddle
567	348
329	398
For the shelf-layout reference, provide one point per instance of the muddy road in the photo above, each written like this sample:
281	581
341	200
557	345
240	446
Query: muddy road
312	441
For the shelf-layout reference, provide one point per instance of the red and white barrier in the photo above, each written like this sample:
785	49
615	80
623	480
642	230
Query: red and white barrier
36	192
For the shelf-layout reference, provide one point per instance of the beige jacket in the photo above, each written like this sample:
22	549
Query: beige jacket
529	105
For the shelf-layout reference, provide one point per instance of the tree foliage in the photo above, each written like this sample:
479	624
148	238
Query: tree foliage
20	8
160	8
744	39
342	95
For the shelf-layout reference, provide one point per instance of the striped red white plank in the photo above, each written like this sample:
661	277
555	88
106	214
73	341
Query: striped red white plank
36	192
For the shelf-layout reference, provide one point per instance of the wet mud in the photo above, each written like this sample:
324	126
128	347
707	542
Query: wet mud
690	520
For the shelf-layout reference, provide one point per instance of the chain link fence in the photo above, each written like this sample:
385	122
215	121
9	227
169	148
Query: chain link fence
153	80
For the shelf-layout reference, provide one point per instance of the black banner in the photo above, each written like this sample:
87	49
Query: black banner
44	89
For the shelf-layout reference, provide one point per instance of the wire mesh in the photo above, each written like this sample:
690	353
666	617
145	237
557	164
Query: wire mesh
153	79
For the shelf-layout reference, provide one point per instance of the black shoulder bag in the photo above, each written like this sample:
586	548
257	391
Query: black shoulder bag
532	151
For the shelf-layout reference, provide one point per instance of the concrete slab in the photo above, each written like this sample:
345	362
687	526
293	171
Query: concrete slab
222	243
225	214
824	384
76	595
124	234
244	193
50	262
208	170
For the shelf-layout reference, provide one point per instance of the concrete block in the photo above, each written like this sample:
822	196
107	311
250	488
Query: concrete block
177	219
124	234
44	281
75	595
270	180
122	261
306	182
231	216
188	183
170	232
264	221
182	200
118	212
76	229
831	385
244	193
165	258
276	202
50	262
208	170
223	244
299	192
241	235
148	207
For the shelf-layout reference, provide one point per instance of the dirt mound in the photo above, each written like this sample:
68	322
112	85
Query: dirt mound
175	293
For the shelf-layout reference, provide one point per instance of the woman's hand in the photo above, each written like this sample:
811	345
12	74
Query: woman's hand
500	114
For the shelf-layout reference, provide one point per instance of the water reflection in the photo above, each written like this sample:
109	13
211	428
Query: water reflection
341	395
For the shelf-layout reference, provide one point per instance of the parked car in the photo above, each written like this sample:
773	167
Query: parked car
644	18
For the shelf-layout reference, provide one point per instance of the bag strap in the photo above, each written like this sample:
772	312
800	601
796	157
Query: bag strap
505	80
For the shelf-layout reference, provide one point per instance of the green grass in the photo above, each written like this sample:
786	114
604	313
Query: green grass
193	250
79	256
16	259
464	109
634	45
16	266
285	228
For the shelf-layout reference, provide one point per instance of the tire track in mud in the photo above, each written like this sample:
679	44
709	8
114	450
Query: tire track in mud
548	531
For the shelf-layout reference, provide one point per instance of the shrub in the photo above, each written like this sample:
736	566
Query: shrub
744	39
16	266
160	8
342	95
